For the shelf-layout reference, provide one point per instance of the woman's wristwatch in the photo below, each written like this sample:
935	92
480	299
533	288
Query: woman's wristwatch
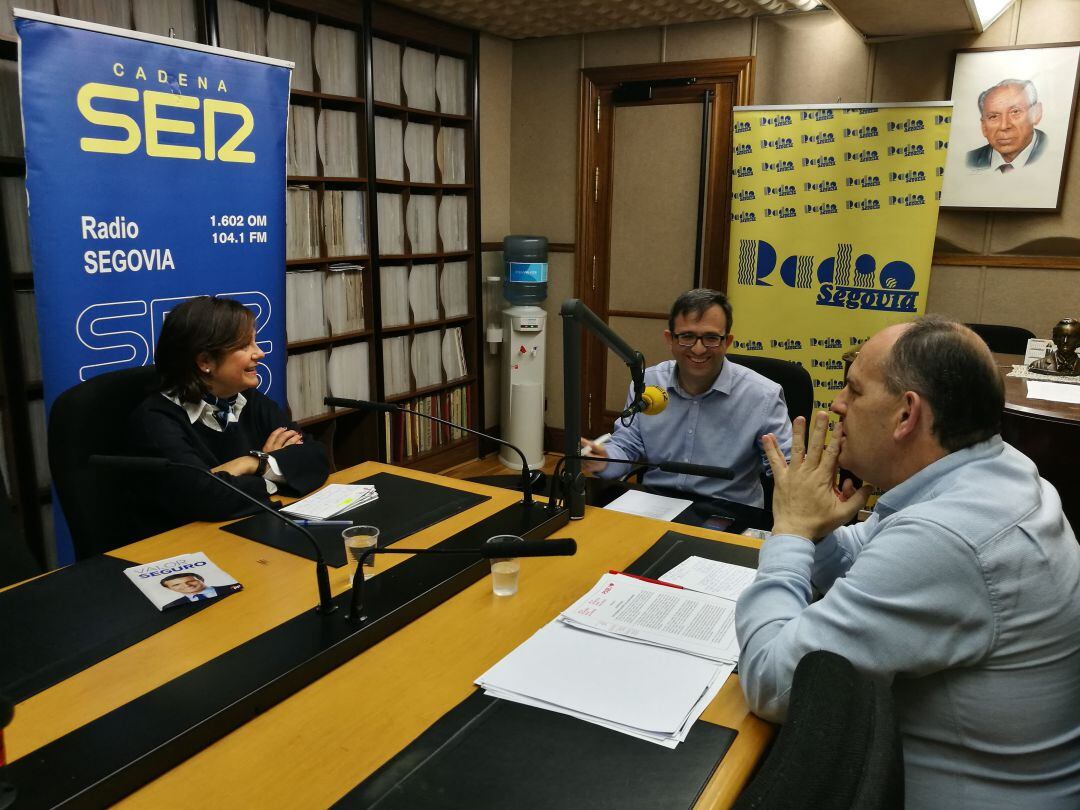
264	461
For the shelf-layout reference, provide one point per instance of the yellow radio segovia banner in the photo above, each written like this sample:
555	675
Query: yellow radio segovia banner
833	216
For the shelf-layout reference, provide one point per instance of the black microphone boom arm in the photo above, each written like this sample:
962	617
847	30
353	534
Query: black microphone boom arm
322	575
387	407
574	312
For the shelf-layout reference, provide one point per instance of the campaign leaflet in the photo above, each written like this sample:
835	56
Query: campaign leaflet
180	581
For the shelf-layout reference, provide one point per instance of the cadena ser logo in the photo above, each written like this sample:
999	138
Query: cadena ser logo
840	280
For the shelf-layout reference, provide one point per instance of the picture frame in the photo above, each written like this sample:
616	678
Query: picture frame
1012	122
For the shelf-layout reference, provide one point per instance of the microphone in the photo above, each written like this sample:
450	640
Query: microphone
152	464
491	548
652	401
675	467
387	407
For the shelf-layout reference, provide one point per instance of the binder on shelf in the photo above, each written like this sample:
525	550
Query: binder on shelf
335	61
26	318
290	38
451	151
394	295
454	223
343	223
450	84
306	383
420	152
454	289
386	70
453	354
39	441
426	359
13	201
391	230
241	27
336	135
420	223
347	371
422	297
389	149
301	223
11	140
418	78
304	315
343	298
301	135
396	377
155	18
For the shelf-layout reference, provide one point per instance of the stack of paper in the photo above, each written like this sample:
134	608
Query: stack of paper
333	499
648	504
637	656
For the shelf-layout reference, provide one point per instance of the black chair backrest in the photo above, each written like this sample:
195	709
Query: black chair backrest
16	561
89	419
793	378
1001	338
839	747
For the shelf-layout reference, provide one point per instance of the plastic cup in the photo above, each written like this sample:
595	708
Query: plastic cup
359	539
505	570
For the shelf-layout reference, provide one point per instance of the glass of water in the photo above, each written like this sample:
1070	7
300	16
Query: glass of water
359	539
505	570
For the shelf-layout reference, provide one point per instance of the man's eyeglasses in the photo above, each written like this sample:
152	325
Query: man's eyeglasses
688	340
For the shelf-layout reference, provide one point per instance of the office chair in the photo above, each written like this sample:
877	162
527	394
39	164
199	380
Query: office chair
1001	338
16	561
793	378
89	419
839	748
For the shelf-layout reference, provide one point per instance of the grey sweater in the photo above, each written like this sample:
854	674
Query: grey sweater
963	590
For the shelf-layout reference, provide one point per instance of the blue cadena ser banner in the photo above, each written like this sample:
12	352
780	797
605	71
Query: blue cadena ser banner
155	172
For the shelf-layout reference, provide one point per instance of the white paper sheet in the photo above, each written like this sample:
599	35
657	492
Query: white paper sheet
1054	392
648	505
331	500
636	685
654	613
711	576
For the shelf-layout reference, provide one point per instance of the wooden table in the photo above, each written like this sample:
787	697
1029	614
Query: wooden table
312	748
1046	432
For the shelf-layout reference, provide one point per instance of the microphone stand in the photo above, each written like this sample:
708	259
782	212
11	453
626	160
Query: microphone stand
322	575
387	407
573	313
569	484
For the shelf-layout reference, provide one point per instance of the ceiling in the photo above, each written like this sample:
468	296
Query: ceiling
874	19
518	19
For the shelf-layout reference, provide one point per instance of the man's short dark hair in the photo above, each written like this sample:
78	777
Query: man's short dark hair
216	326
695	302
952	369
163	580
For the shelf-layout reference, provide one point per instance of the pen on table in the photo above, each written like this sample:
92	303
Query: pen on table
323	522
647	579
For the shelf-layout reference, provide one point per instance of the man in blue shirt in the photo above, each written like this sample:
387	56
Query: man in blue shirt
962	589
716	414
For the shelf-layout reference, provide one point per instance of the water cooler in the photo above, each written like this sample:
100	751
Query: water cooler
524	288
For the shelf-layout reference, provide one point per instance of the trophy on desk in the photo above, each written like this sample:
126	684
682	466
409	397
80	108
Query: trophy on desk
1062	360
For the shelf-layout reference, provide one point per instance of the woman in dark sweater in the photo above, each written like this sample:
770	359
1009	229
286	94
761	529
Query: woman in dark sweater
209	414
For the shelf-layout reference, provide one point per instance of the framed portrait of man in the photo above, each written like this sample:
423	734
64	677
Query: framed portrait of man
1011	128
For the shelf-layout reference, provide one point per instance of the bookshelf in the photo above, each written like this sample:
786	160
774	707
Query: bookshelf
344	81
